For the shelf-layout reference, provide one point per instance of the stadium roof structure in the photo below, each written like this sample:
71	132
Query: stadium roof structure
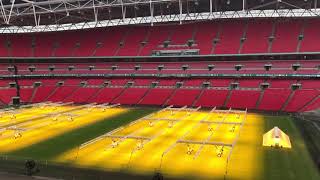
21	16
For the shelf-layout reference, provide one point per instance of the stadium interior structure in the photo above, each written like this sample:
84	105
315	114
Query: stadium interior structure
208	61
257	85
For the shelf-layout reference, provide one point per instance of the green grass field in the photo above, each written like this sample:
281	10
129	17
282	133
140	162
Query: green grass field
278	164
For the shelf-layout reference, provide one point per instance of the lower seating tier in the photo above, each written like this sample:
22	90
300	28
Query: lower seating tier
219	93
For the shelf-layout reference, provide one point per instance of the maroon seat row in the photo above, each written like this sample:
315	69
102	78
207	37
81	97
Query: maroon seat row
278	96
211	37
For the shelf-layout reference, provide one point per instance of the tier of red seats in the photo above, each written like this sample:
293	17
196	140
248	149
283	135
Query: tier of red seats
243	99
286	36
193	83
274	99
212	98
143	82
7	94
257	35
249	67
181	38
44	46
278	97
131	96
233	37
184	97
4	83
109	39
229	37
25	94
156	36
81	95
3	46
311	37
204	36
26	82
42	93
157	96
250	83
300	99
132	42
61	93
65	44
21	46
313	105
106	95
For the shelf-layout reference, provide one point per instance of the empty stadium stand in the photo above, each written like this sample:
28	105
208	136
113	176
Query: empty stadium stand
224	37
222	93
263	84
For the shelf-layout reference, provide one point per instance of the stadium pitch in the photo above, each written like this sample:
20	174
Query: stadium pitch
186	143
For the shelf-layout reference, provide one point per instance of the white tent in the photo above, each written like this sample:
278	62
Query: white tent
276	138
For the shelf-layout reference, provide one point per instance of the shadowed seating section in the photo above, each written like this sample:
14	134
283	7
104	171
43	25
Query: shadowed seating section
220	67
243	99
274	99
221	37
221	84
6	95
223	93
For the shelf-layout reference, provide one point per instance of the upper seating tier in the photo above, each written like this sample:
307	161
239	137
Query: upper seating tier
210	37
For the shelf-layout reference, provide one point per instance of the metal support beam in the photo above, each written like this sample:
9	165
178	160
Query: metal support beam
205	143
3	13
10	13
151	12
180	9
128	137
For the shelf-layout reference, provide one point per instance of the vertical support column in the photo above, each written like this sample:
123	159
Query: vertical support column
244	5
35	15
123	10
8	20
3	12
151	11
211	7
180	8
95	11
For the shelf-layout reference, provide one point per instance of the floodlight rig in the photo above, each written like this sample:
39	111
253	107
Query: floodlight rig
83	145
232	129
210	129
140	145
17	131
202	143
209	137
236	140
17	135
8	111
189	149
166	118
172	109
63	104
184	135
33	105
132	136
114	143
184	108
90	106
220	152
172	121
